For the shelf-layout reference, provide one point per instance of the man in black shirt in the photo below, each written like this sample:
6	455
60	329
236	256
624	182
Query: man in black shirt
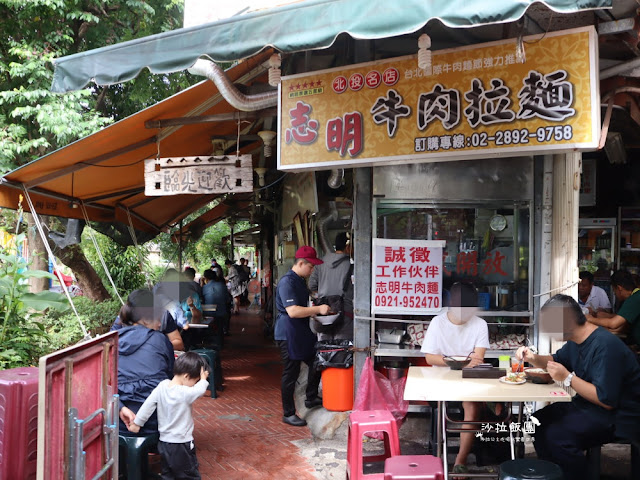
292	298
606	378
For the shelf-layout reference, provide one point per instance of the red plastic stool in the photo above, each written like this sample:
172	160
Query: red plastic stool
413	467
364	422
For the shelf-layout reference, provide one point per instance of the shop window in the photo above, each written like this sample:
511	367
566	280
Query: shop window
486	245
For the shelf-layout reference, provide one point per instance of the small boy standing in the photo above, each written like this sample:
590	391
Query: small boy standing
173	399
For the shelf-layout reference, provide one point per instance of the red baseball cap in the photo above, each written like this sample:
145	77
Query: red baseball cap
309	254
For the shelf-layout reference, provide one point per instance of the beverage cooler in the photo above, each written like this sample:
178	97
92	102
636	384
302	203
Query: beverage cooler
596	249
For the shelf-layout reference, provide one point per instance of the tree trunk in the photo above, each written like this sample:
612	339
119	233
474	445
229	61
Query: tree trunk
38	255
88	280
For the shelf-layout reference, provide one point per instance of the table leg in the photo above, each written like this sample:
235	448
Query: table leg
520	431
438	439
442	437
511	444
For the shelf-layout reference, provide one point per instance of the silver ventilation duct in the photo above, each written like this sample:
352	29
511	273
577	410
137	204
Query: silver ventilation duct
332	216
237	99
336	177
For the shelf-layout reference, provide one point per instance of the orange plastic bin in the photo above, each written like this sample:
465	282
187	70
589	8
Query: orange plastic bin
337	389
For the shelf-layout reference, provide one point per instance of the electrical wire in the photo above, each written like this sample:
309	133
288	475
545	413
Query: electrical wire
113	166
272	184
132	232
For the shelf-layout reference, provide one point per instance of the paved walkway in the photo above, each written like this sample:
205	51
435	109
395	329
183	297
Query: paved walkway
240	435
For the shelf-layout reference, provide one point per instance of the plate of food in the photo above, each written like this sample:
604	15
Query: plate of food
514	378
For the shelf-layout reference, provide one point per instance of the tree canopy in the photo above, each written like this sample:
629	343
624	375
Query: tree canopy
35	121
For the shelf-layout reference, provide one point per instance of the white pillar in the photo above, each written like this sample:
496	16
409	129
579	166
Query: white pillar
564	236
564	247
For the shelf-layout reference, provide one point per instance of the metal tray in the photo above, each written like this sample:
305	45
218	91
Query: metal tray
393	336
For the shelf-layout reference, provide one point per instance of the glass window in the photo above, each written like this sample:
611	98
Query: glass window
487	245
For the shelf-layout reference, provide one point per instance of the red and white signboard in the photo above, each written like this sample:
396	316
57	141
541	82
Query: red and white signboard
407	276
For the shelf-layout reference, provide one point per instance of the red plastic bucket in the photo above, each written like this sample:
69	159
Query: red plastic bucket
337	389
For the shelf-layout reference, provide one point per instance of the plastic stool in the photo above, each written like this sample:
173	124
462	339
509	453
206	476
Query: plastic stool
215	370
527	468
364	422
413	467
137	450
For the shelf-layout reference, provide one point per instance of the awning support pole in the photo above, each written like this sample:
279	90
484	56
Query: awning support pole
47	247
180	248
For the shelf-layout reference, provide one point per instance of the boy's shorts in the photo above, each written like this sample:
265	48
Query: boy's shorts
179	461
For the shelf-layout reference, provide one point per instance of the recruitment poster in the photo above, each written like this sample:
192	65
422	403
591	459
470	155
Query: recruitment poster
407	276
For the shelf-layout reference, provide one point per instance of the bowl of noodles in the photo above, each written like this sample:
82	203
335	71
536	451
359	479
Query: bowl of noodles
538	375
457	362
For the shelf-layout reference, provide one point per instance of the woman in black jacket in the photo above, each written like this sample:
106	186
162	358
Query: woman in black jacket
145	357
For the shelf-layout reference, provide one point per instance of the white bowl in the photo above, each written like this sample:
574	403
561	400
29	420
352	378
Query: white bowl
326	319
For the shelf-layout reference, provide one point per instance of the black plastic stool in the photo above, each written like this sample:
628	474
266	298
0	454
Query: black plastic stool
593	459
215	368
136	450
530	469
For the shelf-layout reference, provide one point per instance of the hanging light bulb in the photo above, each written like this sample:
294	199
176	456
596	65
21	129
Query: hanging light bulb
267	137
424	54
260	171
274	69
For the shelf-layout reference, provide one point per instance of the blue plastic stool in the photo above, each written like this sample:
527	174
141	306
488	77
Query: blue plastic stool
215	369
137	450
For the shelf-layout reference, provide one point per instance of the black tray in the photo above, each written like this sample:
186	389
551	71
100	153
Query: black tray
483	372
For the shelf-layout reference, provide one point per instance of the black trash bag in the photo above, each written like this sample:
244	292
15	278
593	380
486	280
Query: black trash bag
334	354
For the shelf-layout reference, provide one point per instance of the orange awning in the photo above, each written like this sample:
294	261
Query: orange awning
105	170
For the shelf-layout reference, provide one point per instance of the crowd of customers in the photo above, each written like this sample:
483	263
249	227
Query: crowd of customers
158	382
154	333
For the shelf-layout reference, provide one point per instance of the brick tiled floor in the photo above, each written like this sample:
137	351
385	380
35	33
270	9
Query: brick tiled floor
240	435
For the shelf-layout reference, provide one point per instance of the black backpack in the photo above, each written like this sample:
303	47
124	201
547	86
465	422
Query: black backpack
336	302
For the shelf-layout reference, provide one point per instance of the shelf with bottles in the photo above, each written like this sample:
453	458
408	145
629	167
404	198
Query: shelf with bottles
629	239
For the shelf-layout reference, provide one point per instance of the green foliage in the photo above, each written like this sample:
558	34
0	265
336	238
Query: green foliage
210	245
22	334
34	121
123	262
63	328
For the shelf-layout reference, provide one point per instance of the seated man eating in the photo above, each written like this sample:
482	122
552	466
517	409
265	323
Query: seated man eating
606	377
459	332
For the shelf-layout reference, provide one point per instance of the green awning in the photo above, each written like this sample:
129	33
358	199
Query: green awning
301	26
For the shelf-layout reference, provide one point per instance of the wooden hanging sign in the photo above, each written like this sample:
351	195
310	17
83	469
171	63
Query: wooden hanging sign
198	175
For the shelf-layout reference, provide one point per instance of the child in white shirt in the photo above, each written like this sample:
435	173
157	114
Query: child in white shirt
173	399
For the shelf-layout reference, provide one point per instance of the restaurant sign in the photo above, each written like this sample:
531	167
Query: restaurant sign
477	101
407	276
198	175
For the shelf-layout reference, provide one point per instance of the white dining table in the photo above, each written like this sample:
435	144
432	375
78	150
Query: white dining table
441	384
